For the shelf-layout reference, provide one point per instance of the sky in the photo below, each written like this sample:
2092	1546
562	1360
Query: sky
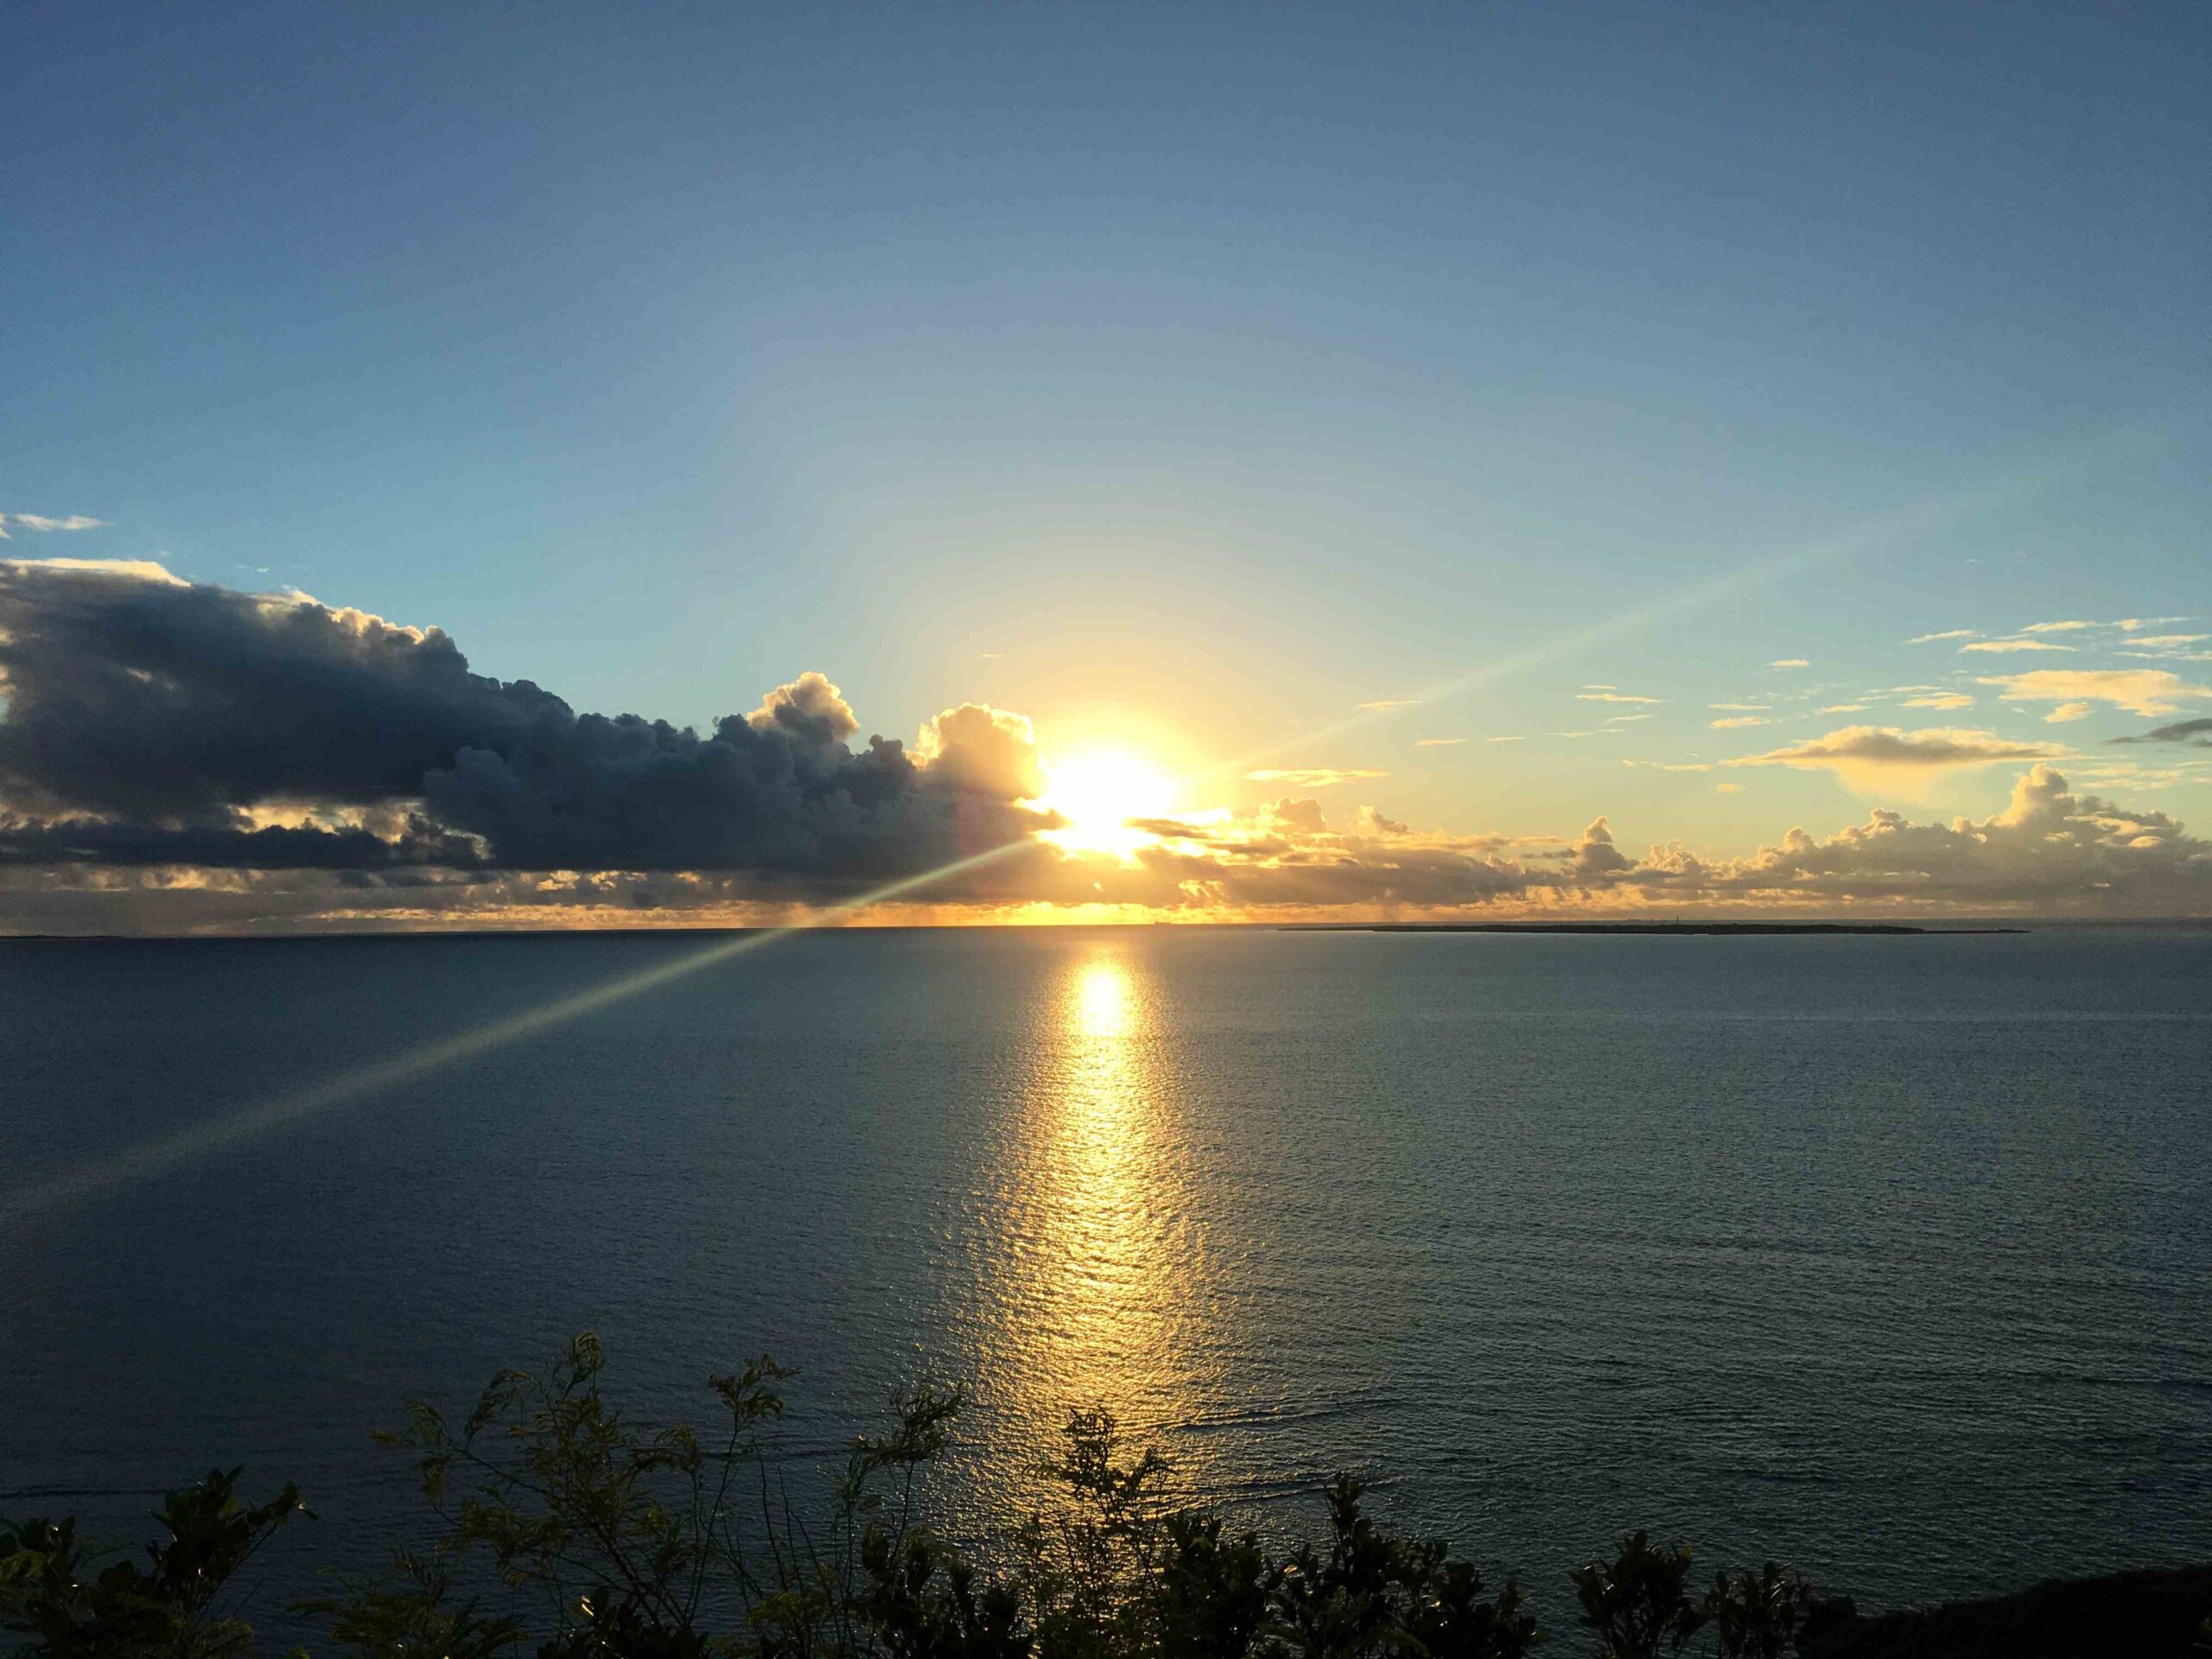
1411	460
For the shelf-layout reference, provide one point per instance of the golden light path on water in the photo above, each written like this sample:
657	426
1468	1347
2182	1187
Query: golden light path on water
1088	1259
155	1157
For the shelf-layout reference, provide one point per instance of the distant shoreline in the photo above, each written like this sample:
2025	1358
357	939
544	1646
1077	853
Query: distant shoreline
1679	928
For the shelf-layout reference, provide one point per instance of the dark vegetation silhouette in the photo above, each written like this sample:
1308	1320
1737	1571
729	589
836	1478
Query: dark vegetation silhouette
567	1530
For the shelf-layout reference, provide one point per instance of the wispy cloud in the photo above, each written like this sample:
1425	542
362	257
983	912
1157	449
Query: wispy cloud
2139	690
1391	702
39	523
1884	756
1736	722
1440	742
2195	734
1948	633
1311	776
1623	719
1727	789
1505	740
1614	696
1941	700
2070	626
1790	662
2067	711
1996	646
1741	708
1841	708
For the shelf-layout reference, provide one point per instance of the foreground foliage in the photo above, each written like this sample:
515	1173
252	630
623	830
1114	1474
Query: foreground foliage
567	1531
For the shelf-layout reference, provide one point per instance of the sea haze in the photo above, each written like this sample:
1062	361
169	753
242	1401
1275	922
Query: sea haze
1890	1257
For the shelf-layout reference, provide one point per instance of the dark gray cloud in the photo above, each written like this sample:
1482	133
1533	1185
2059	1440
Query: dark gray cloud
152	721
2195	733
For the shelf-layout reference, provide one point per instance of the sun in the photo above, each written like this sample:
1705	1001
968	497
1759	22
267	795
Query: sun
1098	793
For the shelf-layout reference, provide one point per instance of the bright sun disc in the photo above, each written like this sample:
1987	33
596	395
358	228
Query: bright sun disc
1098	794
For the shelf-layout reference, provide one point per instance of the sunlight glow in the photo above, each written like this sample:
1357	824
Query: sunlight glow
1098	793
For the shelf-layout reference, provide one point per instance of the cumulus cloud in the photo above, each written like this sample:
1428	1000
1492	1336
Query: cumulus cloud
150	720
43	525
2139	690
177	755
2047	849
1885	757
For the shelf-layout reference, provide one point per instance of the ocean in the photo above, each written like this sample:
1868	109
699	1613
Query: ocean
1888	1257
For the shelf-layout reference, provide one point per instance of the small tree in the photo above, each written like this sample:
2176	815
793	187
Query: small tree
1638	1602
1757	1616
50	1590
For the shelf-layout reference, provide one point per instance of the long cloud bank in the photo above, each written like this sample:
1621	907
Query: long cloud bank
177	755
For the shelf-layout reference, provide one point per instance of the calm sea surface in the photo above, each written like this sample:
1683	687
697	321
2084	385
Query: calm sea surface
1890	1257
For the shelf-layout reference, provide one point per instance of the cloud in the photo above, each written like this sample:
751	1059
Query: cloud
1948	633
2139	690
1391	702
2169	640
1439	743
2195	733
2048	850
2059	627
1940	700
1885	757
1738	721
1995	646
1847	707
1624	719
1311	776
1612	696
1505	740
1600	685
2067	711
1742	707
42	524
178	755
153	720
1727	789
1790	662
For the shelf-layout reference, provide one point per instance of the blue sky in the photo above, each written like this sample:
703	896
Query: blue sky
1180	377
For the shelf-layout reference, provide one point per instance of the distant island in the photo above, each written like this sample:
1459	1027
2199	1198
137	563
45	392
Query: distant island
1628	927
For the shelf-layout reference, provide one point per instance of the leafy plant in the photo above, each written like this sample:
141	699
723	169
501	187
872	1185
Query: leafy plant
569	1529
52	1589
1759	1616
1638	1602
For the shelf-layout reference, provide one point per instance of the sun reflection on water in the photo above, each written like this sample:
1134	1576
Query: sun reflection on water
1102	1264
